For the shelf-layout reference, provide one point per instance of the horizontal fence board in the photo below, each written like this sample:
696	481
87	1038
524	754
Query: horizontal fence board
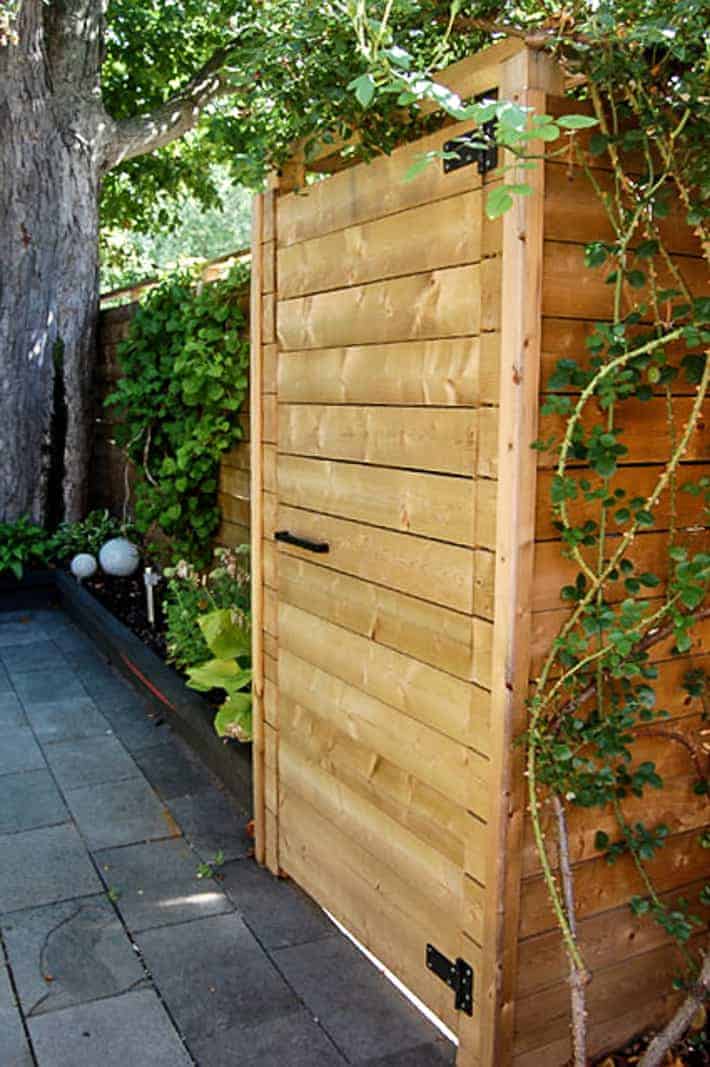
371	191
429	814
453	373
232	534
546	626
607	1035
644	427
636	481
574	211
604	940
429	439
676	805
571	290
638	979
443	638
566	339
424	753
234	510
433	698
432	505
648	552
419	863
442	303
235	482
440	573
424	238
377	906
600	887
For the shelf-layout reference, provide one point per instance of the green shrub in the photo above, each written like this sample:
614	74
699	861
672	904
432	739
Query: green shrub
185	365
23	543
228	636
190	595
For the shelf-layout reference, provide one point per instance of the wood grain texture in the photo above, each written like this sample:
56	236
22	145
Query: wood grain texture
455	373
441	303
430	696
451	641
431	505
440	573
430	439
390	247
425	753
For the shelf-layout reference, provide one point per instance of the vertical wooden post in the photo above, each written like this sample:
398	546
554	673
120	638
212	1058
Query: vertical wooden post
525	79
256	421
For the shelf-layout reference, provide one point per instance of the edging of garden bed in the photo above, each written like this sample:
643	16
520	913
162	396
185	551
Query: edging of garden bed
186	711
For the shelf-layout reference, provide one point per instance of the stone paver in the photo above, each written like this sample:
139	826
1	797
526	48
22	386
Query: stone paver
338	985
43	866
30	800
15	1050
276	911
119	813
157	884
11	712
90	761
119	953
19	751
214	974
70	953
133	1029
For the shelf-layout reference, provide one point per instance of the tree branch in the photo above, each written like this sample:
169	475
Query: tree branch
676	1028
169	121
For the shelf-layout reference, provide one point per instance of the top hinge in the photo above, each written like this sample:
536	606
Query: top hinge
458	975
467	149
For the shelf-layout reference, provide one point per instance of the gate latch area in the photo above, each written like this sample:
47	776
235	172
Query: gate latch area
470	148
458	975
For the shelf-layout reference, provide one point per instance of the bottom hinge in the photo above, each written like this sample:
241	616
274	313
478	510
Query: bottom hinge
458	975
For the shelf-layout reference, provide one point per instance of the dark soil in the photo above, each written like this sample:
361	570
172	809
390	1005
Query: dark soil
125	598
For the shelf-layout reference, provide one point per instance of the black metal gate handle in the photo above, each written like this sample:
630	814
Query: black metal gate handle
301	542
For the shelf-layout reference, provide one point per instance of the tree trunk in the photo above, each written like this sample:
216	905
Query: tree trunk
49	184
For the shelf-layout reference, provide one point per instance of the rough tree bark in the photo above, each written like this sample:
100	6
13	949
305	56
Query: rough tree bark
56	141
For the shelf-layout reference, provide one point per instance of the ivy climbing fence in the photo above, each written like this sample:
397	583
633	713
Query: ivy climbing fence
112	475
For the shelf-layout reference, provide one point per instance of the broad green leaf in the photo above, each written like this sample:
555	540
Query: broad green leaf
576	122
224	637
234	718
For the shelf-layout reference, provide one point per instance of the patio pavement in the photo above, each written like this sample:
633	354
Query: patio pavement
112	950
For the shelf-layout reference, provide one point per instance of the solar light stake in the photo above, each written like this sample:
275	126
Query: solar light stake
150	580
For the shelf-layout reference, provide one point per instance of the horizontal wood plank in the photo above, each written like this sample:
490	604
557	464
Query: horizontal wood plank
424	752
389	247
432	570
429	814
442	303
431	505
445	639
429	439
449	373
431	697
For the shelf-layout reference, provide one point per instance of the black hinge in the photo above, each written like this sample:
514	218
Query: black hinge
458	975
468	148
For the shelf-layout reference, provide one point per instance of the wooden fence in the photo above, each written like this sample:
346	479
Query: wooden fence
401	347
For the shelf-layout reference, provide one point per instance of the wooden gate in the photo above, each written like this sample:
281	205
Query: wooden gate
378	304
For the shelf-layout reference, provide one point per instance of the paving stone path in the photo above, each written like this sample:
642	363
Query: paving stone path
113	953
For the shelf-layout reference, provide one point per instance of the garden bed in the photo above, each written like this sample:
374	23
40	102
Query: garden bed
189	713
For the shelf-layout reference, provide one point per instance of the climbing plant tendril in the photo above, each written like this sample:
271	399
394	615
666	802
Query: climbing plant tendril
185	366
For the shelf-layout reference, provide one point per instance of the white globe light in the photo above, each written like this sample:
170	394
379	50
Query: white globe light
83	566
119	557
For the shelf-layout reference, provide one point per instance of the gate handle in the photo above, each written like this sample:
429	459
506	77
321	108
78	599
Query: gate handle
301	542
